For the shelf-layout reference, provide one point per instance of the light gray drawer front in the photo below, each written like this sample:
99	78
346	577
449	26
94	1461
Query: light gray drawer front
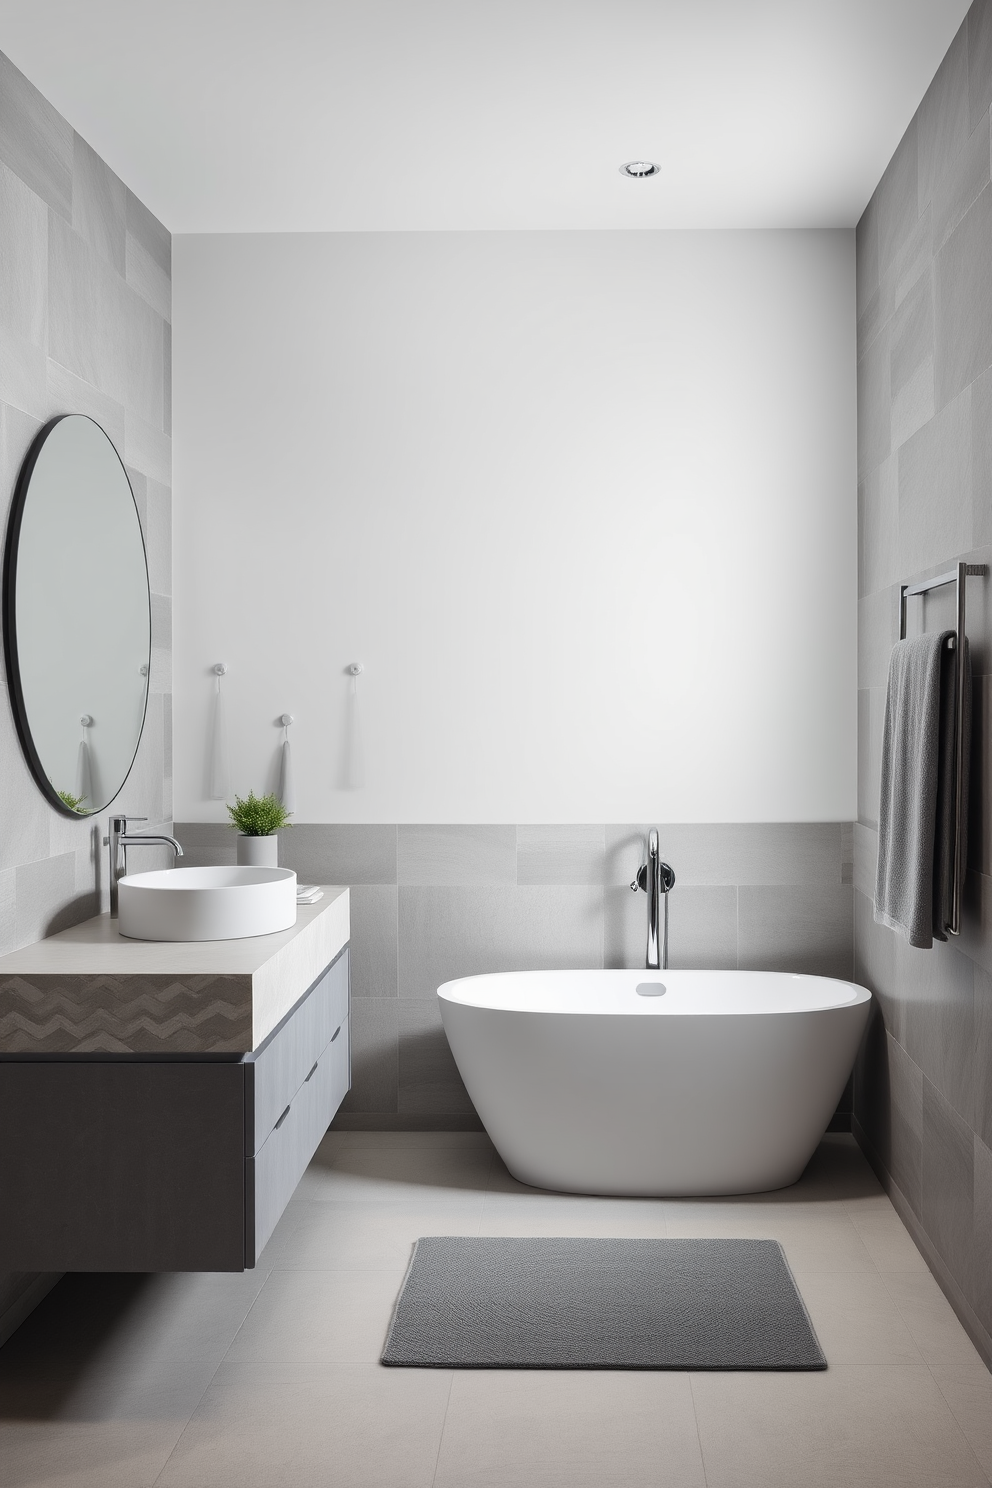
281	1067
276	1169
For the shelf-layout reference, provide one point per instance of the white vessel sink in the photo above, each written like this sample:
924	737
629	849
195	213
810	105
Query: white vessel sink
206	903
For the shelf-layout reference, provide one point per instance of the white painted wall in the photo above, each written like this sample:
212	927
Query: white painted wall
584	504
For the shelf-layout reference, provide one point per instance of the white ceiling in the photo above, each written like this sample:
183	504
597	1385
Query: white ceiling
349	115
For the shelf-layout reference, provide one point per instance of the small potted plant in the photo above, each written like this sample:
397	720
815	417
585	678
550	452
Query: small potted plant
258	819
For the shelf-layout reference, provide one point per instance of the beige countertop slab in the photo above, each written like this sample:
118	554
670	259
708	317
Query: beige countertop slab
89	989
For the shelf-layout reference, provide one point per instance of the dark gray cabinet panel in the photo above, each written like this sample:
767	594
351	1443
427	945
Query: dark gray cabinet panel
131	1164
102	1163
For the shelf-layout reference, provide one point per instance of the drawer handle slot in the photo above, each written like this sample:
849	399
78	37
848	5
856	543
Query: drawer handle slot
336	1032
313	1071
282	1118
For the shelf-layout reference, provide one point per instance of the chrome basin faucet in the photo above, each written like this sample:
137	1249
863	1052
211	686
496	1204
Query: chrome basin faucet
656	878
119	841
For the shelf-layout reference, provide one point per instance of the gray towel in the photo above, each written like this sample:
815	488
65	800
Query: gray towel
916	806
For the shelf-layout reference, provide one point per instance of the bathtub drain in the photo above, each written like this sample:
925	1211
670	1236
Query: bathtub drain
651	989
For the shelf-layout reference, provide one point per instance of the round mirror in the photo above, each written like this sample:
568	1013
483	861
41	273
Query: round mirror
77	616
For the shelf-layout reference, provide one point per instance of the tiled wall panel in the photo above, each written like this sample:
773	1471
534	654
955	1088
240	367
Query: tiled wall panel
925	501
83	329
430	903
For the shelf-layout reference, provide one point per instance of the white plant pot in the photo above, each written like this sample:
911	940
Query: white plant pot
258	852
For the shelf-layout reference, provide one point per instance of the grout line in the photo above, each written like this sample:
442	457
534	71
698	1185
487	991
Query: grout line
444	1422
699	1439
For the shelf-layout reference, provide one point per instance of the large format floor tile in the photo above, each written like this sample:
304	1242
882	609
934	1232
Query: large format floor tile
851	1426
272	1378
574	1429
338	1428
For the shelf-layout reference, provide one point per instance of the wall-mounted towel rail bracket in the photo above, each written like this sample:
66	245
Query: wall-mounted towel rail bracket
955	576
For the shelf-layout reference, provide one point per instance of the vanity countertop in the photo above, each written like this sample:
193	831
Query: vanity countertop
90	990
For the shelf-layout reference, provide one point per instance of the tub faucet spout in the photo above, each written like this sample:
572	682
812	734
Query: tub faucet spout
656	878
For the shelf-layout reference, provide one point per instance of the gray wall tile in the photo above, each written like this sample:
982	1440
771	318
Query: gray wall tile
983	1055
874	402
343	854
22	375
449	932
871	719
878	528
456	855
35	141
947	1209
912	263
964	182
104	332
98	198
866	256
878	631
374	1056
798	929
980	778
145	228
911	364
937	990
8	910
45	895
943	119
874	963
963	301
167	378
157	526
428	1076
897	198
374	937
865	858
24	281
979	23
23	811
981	464
209	844
68	393
732	853
702	932
146	445
981	1296
146	275
561	855
936	458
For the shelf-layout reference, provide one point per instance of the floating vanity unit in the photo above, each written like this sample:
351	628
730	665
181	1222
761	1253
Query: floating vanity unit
160	1101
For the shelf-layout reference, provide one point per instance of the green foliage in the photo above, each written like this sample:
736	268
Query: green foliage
258	816
74	803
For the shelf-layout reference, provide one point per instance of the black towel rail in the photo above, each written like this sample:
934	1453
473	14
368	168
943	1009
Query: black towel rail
956	576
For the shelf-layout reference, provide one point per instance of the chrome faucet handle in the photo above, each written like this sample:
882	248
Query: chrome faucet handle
667	878
122	820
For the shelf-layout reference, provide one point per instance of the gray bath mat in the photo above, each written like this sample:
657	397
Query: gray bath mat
487	1303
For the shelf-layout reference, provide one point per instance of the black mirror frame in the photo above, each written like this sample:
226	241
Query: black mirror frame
14	687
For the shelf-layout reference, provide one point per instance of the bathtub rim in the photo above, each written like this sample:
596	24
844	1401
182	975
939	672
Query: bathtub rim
652	1007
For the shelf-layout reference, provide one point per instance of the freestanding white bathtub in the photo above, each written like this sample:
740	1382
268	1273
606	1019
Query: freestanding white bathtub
598	1082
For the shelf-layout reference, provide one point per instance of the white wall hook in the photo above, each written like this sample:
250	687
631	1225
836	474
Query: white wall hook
356	669
220	668
285	719
87	720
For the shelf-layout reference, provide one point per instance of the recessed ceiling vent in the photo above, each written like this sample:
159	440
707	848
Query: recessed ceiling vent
639	169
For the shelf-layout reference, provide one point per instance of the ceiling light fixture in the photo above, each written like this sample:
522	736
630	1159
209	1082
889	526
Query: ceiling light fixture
639	169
